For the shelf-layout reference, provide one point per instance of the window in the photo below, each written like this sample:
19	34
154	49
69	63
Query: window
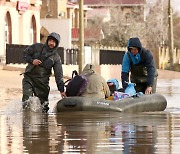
33	31
8	29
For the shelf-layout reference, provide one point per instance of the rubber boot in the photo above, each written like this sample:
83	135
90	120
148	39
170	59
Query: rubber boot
45	107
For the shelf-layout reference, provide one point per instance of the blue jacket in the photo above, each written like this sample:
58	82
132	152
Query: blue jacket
143	57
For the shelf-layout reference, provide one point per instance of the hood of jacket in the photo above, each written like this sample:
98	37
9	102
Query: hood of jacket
54	36
134	42
88	69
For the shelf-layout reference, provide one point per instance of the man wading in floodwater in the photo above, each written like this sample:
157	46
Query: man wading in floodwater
139	61
41	58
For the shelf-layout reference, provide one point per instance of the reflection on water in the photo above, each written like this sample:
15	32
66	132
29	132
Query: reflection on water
7	95
109	132
89	132
171	90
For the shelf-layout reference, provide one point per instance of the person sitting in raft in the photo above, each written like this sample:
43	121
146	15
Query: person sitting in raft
97	86
113	85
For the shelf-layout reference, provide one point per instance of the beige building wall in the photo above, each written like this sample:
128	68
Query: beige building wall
54	9
2	29
25	22
63	27
62	8
20	29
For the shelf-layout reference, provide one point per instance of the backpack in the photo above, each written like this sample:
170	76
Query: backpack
76	85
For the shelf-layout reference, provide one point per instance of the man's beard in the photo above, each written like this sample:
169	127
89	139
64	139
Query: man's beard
51	46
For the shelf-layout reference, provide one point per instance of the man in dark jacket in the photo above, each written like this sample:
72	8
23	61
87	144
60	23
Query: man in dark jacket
139	61
41	58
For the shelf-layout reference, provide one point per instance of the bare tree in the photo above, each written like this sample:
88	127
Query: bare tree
176	25
157	25
150	25
152	28
122	26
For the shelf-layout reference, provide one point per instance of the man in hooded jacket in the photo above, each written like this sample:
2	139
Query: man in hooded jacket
41	58
139	61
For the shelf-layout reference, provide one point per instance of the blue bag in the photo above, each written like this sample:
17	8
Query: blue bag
130	89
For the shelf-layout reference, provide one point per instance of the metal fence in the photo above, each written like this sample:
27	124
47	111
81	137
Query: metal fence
14	55
72	56
111	57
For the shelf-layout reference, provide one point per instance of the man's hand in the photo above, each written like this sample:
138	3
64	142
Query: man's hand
36	62
148	90
63	94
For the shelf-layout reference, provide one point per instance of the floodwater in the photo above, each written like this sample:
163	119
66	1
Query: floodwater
33	132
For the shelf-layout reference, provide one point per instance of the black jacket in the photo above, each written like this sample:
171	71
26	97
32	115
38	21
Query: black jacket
50	59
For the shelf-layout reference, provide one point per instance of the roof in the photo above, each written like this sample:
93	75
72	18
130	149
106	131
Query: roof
116	2
89	34
70	5
102	12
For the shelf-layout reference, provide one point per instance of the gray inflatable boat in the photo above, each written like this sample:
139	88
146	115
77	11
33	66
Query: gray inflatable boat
143	103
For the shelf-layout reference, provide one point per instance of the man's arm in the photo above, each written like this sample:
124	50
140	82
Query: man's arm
125	71
28	53
151	68
151	71
58	73
124	79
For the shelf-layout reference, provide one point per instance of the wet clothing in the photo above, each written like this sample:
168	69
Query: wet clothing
36	78
97	86
142	67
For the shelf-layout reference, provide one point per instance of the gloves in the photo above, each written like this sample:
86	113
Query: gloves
124	79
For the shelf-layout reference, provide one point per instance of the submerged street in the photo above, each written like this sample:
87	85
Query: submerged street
86	132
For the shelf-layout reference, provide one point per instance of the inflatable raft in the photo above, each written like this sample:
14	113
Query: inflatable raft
143	103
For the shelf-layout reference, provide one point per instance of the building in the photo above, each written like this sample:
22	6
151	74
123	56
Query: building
56	16
127	6
29	21
104	9
19	23
64	16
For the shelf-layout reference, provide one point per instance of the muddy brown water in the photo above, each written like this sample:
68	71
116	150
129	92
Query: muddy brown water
90	132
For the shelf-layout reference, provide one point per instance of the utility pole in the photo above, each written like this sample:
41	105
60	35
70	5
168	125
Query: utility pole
81	36
170	35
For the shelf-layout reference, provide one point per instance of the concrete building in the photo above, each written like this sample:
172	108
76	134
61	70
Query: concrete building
19	23
61	16
55	18
29	21
24	22
105	9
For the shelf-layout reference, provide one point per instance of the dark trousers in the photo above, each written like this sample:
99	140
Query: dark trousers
31	87
141	87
